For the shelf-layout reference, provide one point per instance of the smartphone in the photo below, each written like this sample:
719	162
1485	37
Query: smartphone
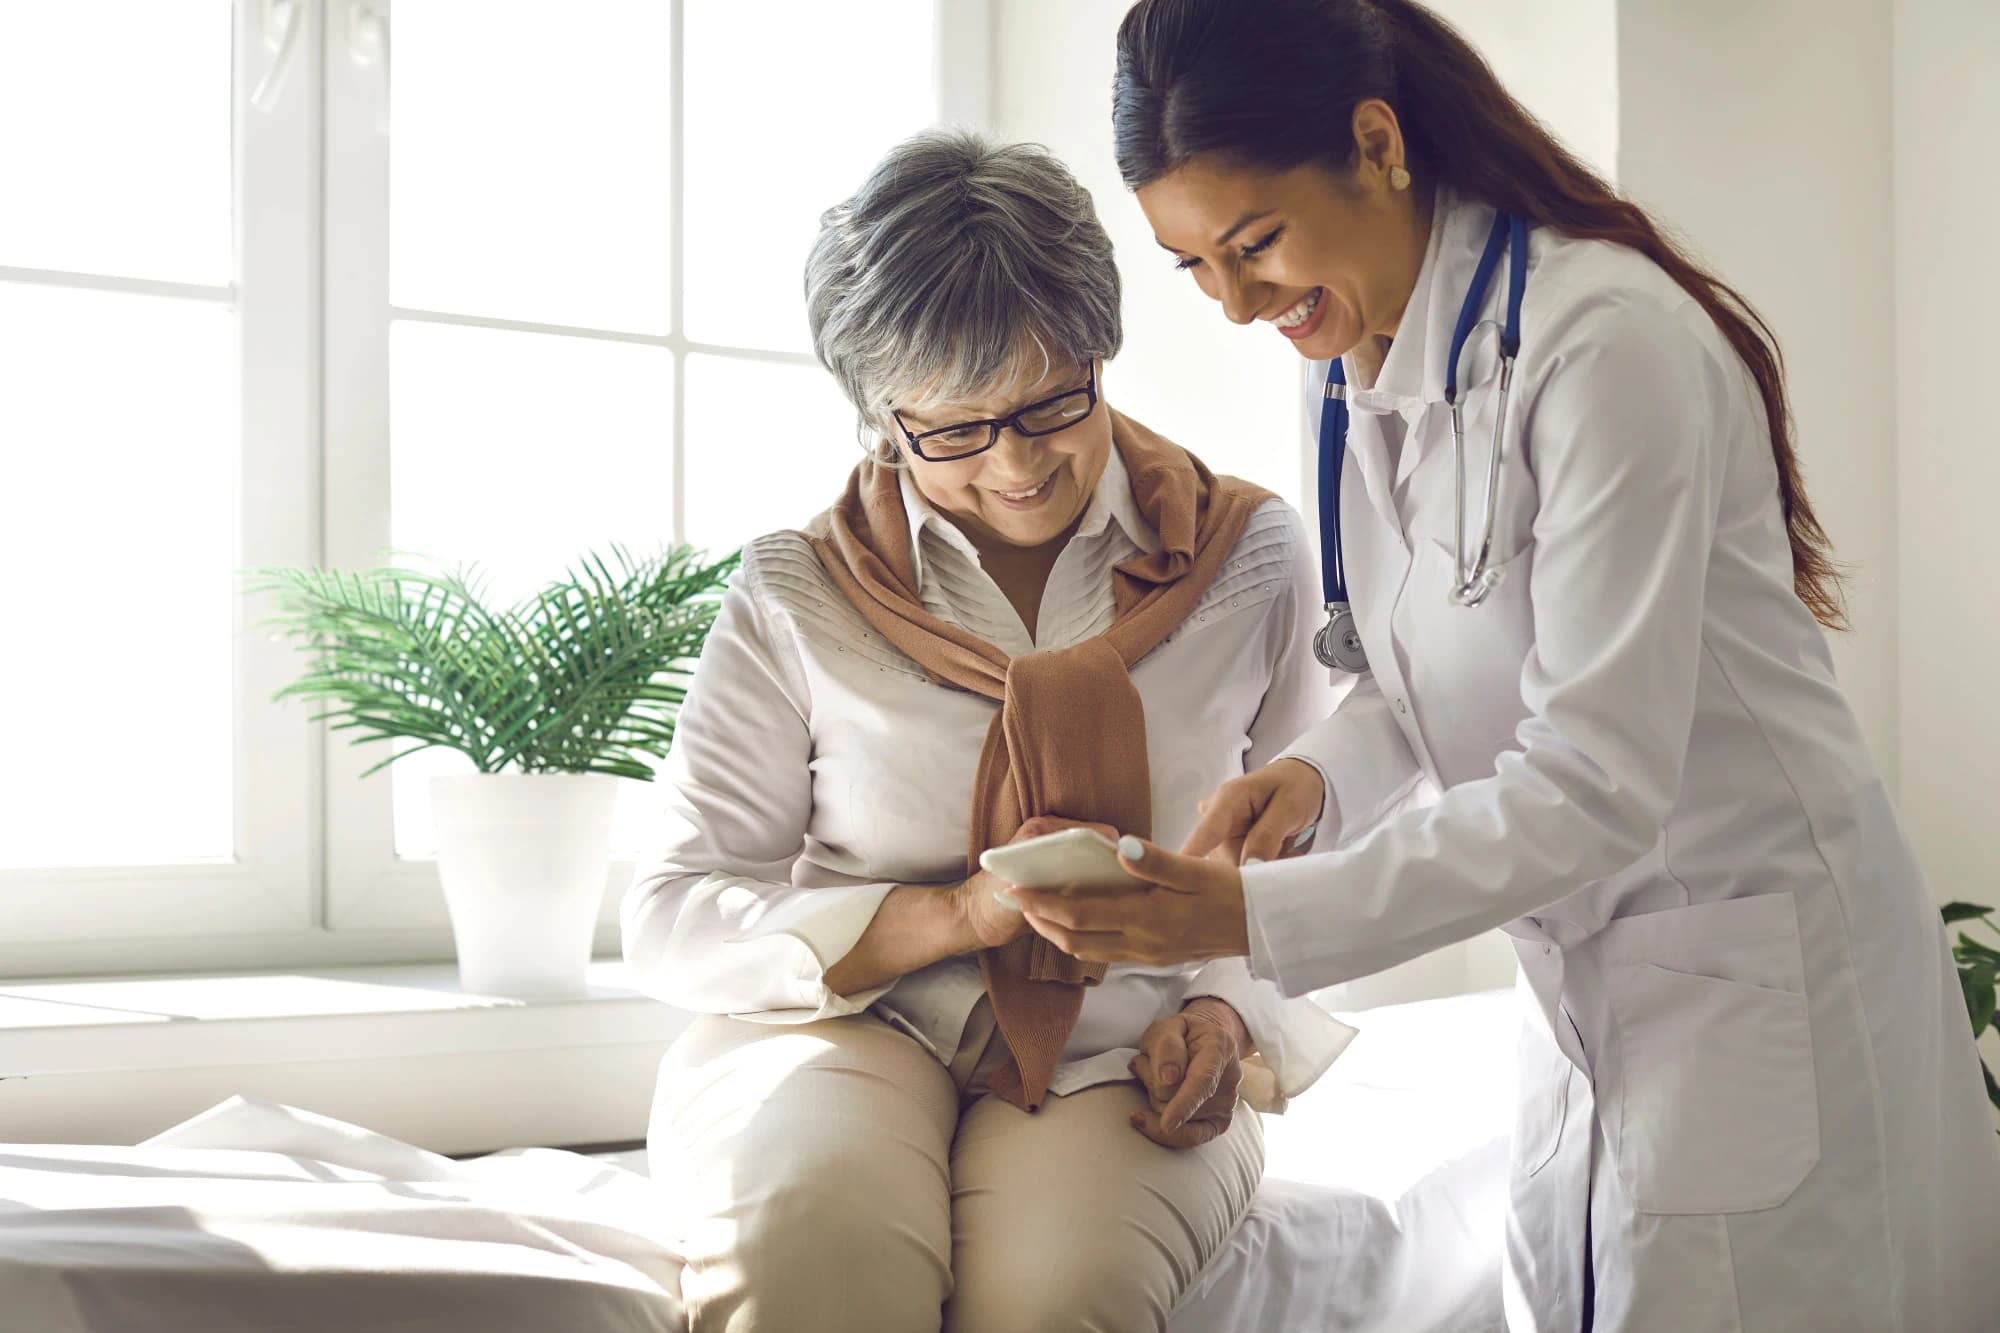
1076	857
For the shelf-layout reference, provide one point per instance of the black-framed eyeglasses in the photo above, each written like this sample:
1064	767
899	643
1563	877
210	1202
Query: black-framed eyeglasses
949	444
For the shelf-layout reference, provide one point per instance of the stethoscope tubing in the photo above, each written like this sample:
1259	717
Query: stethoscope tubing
1338	644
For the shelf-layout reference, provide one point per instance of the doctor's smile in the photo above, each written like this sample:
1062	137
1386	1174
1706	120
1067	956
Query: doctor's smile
1301	320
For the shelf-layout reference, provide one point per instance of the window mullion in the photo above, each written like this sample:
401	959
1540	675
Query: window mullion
360	859
276	182
677	259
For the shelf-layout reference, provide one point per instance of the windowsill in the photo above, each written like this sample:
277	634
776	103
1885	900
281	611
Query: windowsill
87	1025
114	1059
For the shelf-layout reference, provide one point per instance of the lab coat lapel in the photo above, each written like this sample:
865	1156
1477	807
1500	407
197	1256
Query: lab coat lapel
1371	455
1413	376
1366	452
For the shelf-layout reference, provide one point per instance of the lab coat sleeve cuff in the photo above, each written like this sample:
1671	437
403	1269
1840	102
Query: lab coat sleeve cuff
1260	962
1279	898
1296	1038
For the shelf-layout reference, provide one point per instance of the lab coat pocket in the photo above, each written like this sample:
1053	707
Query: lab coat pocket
1717	1104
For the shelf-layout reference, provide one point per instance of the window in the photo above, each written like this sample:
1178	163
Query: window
483	279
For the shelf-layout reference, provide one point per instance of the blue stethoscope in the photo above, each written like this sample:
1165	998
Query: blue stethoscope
1339	643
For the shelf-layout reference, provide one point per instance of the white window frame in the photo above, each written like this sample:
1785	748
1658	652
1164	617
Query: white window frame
316	878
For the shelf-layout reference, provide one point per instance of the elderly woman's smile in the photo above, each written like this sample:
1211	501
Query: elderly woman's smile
1021	507
1027	497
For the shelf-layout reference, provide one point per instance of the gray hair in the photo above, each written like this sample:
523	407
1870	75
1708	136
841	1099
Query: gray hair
955	256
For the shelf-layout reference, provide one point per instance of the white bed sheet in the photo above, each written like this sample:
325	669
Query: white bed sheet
253	1218
1381	1210
1383	1207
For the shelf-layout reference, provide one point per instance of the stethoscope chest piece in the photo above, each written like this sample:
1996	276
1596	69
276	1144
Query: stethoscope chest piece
1474	591
1338	643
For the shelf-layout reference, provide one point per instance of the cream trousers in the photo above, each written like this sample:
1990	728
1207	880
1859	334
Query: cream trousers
833	1176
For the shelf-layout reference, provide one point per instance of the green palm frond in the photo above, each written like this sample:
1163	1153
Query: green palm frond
1978	977
584	676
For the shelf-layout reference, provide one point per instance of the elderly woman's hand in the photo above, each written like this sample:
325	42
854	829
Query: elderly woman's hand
991	912
1191	1065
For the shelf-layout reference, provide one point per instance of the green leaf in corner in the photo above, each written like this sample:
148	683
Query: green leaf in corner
1992	1085
1977	981
1970	952
1963	912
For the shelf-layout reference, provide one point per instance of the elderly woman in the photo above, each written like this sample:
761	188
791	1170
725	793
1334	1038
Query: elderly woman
1027	612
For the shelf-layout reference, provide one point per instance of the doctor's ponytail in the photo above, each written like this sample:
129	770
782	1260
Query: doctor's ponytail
1273	84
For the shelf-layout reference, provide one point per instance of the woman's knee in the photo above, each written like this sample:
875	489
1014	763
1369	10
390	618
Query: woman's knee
1070	1287
1072	1221
808	1169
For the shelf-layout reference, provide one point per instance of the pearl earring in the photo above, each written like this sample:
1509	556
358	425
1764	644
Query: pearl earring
1399	178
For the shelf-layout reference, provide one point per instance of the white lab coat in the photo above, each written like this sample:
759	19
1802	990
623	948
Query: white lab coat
1747	1076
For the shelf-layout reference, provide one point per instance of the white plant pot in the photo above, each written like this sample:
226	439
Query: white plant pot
524	857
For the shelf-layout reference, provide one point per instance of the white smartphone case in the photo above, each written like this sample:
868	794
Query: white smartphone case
1078	857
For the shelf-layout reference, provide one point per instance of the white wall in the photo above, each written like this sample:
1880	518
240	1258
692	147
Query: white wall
1559	58
1946	193
1946	189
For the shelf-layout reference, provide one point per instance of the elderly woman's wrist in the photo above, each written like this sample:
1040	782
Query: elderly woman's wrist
965	913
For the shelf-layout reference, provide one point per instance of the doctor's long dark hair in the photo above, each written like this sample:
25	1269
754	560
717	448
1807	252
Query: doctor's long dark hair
1272	83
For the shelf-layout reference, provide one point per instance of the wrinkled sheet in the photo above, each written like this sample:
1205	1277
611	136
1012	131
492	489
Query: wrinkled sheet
1382	1209
257	1216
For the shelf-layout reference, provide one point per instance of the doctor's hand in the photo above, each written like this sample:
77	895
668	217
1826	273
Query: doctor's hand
1259	816
1190	910
1191	1065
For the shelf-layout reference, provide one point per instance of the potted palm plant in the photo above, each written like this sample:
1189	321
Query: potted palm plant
1978	977
553	699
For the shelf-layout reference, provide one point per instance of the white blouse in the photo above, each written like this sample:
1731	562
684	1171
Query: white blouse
815	767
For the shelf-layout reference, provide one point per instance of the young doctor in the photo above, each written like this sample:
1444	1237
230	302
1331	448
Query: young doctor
1576	577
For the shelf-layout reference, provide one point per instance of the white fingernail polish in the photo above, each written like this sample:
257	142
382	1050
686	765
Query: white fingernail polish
1131	848
1253	860
1007	900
